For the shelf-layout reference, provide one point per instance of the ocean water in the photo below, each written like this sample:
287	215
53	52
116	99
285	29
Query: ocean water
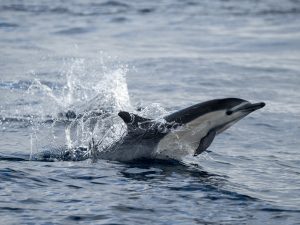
160	56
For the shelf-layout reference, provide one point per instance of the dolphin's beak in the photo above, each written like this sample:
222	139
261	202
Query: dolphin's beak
253	107
247	108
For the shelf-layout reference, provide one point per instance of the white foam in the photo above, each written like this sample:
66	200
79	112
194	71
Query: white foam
89	86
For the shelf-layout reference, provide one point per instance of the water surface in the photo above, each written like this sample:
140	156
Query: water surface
161	56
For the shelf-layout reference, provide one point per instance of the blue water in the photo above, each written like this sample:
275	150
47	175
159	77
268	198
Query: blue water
161	56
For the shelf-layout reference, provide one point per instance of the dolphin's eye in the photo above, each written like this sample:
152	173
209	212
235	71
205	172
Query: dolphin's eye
229	112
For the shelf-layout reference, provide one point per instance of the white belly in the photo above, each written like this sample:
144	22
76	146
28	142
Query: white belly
185	140
180	143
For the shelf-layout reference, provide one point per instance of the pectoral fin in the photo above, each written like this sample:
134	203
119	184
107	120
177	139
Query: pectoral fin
205	142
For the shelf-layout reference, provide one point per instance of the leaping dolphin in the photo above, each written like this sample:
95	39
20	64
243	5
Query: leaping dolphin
189	131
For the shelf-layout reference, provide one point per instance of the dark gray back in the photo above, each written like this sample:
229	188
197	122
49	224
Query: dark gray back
188	114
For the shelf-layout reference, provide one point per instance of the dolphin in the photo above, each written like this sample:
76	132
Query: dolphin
189	131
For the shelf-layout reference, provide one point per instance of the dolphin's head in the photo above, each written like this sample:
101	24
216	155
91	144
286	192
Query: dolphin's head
218	114
234	109
200	123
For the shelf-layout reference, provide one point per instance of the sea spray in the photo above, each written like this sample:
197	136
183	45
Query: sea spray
95	92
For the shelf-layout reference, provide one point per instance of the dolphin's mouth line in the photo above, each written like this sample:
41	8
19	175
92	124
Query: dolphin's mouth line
247	108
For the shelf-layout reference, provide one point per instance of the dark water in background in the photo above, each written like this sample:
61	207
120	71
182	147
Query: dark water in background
58	54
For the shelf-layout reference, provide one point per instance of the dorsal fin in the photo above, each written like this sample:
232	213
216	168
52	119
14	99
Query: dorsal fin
132	119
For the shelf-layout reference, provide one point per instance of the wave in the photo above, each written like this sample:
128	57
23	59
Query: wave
13	158
89	9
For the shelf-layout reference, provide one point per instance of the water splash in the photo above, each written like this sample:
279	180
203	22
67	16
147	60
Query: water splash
86	85
154	110
95	92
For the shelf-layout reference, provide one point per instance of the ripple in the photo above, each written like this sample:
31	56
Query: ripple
114	4
119	19
73	186
125	208
87	177
87	217
13	209
279	11
12	158
31	201
8	25
74	30
279	210
146	10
